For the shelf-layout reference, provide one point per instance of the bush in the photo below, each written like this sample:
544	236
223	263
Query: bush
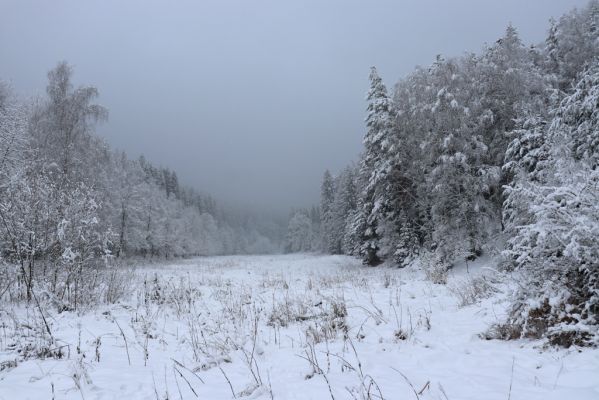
434	269
563	310
473	289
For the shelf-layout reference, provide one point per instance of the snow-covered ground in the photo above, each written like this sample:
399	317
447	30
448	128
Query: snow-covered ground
289	327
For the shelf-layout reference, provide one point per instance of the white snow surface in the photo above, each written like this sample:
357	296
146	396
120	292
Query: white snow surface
406	338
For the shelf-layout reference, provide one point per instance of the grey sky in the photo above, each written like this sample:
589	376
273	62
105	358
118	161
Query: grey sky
247	100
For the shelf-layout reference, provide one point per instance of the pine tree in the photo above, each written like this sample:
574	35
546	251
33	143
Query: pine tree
552	47
374	167
327	197
581	115
344	205
407	245
528	150
593	20
553	221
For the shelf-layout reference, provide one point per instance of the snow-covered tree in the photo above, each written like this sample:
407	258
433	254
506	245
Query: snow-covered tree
344	205
327	197
68	203
63	123
553	219
374	166
300	235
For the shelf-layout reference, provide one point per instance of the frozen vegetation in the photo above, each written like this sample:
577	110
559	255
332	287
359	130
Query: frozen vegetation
458	258
284	327
491	151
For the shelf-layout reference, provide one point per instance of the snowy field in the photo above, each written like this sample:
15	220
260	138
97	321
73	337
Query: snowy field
290	327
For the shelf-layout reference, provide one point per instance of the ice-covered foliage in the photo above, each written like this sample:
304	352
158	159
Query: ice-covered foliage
489	152
301	235
69	204
286	327
553	218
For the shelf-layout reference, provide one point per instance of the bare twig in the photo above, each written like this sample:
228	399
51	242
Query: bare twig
509	395
320	372
228	381
188	370
408	381
186	381
125	339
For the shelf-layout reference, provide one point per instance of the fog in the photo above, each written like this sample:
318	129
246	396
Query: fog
247	100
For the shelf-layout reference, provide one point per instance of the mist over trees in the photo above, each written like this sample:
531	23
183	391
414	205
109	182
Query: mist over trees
487	153
453	253
69	202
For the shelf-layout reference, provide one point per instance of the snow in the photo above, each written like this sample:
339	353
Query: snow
406	337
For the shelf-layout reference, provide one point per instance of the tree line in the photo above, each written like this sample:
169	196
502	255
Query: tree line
68	202
483	153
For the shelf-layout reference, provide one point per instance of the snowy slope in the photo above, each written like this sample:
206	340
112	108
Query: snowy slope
291	327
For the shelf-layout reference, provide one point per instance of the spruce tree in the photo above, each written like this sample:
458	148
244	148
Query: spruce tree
327	197
380	124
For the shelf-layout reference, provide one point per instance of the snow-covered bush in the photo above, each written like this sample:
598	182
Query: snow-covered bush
435	269
553	220
563	309
473	289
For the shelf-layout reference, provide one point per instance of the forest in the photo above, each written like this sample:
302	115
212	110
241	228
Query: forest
495	153
69	202
456	257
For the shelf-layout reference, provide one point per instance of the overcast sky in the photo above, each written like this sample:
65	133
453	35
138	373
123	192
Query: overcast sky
248	100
